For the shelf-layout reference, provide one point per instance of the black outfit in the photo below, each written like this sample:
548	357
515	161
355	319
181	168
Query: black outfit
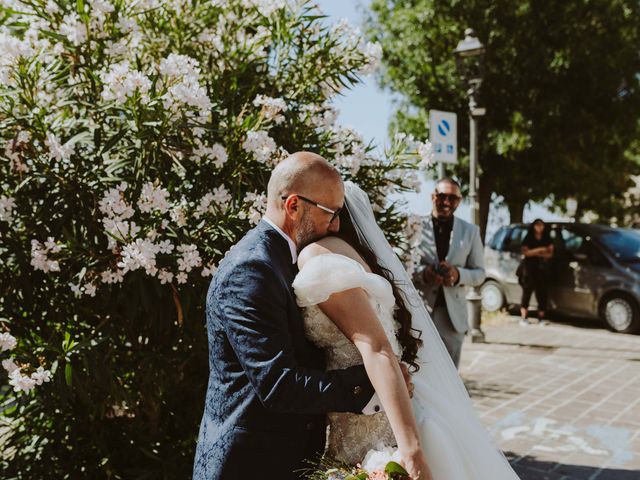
534	275
442	229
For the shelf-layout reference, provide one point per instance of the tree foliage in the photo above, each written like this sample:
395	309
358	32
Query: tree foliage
561	89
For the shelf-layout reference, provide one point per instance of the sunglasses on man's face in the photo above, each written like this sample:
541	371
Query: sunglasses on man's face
447	196
334	213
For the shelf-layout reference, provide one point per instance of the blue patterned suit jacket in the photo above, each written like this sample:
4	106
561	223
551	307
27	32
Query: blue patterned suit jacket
268	392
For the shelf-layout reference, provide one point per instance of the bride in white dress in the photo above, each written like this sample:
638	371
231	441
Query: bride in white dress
352	314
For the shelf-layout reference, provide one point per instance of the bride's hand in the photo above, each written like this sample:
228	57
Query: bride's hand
416	465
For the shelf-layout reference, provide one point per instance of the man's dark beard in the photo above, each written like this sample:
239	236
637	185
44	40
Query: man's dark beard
306	234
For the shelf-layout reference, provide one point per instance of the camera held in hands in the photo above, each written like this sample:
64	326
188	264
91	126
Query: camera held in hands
440	269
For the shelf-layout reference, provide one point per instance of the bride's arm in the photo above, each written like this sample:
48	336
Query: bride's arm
351	311
353	314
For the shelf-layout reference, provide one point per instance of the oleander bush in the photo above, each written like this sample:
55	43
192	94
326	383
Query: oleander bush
136	140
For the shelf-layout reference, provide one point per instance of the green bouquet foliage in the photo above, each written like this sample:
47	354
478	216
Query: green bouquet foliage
136	140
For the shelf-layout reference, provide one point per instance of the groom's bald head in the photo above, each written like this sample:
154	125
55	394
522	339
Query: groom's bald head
303	173
302	192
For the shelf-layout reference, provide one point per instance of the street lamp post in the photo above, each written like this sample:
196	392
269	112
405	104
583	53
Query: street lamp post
469	56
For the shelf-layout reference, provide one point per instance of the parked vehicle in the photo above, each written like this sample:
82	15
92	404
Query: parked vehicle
594	272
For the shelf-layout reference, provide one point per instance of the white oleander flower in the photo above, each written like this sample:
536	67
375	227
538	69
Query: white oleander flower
426	153
74	29
23	137
320	116
51	8
222	197
204	206
21	382
7	341
209	270
76	289
182	277
127	24
165	276
257	206
9	365
216	153
139	254
266	7
7	205
41	376
111	277
120	83
373	55
153	198
56	149
15	161
90	289
179	216
113	206
260	144
121	230
39	256
165	246
271	108
190	258
183	76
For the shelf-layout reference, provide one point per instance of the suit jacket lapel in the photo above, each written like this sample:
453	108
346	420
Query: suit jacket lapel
430	238
455	237
280	246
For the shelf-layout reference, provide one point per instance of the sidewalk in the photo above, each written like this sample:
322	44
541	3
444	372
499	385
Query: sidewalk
562	401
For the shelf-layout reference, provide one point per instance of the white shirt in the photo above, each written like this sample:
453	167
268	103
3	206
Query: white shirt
292	246
374	405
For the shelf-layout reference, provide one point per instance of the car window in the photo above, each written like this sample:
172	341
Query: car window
498	239
513	242
623	244
573	243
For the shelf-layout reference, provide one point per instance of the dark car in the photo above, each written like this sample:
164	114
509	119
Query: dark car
595	272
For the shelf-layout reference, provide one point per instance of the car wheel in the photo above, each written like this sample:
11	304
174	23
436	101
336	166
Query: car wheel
621	313
492	296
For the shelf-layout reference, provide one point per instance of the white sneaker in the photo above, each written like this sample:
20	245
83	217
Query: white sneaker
524	322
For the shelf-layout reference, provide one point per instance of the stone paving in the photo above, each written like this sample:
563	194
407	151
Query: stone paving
562	400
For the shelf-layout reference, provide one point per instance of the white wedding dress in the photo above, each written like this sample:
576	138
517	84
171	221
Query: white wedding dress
351	436
456	445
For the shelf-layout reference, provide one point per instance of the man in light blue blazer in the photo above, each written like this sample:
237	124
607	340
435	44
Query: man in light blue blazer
452	258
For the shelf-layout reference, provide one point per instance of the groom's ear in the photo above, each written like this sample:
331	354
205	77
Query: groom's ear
292	207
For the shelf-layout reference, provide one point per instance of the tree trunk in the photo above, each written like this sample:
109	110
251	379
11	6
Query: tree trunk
516	210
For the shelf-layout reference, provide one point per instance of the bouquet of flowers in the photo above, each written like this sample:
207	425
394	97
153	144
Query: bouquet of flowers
381	464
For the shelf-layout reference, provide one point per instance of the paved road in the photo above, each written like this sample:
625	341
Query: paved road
563	401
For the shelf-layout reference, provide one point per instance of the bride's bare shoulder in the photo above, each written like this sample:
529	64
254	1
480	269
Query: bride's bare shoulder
326	245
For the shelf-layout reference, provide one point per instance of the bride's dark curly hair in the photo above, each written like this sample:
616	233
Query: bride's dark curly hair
410	342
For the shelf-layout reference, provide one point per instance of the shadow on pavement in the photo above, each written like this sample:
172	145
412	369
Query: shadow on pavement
530	468
479	390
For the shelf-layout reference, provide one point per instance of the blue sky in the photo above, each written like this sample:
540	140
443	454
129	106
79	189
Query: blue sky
368	109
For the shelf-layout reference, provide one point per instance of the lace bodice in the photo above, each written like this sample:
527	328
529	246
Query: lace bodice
351	436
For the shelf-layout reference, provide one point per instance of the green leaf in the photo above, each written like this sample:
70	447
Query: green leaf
113	140
67	373
394	469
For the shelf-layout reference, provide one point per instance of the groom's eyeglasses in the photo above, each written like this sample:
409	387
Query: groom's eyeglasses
334	213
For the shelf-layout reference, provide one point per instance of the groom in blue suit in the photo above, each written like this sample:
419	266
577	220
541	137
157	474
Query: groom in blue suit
268	391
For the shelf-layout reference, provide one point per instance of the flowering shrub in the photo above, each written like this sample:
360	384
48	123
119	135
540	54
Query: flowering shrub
136	140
